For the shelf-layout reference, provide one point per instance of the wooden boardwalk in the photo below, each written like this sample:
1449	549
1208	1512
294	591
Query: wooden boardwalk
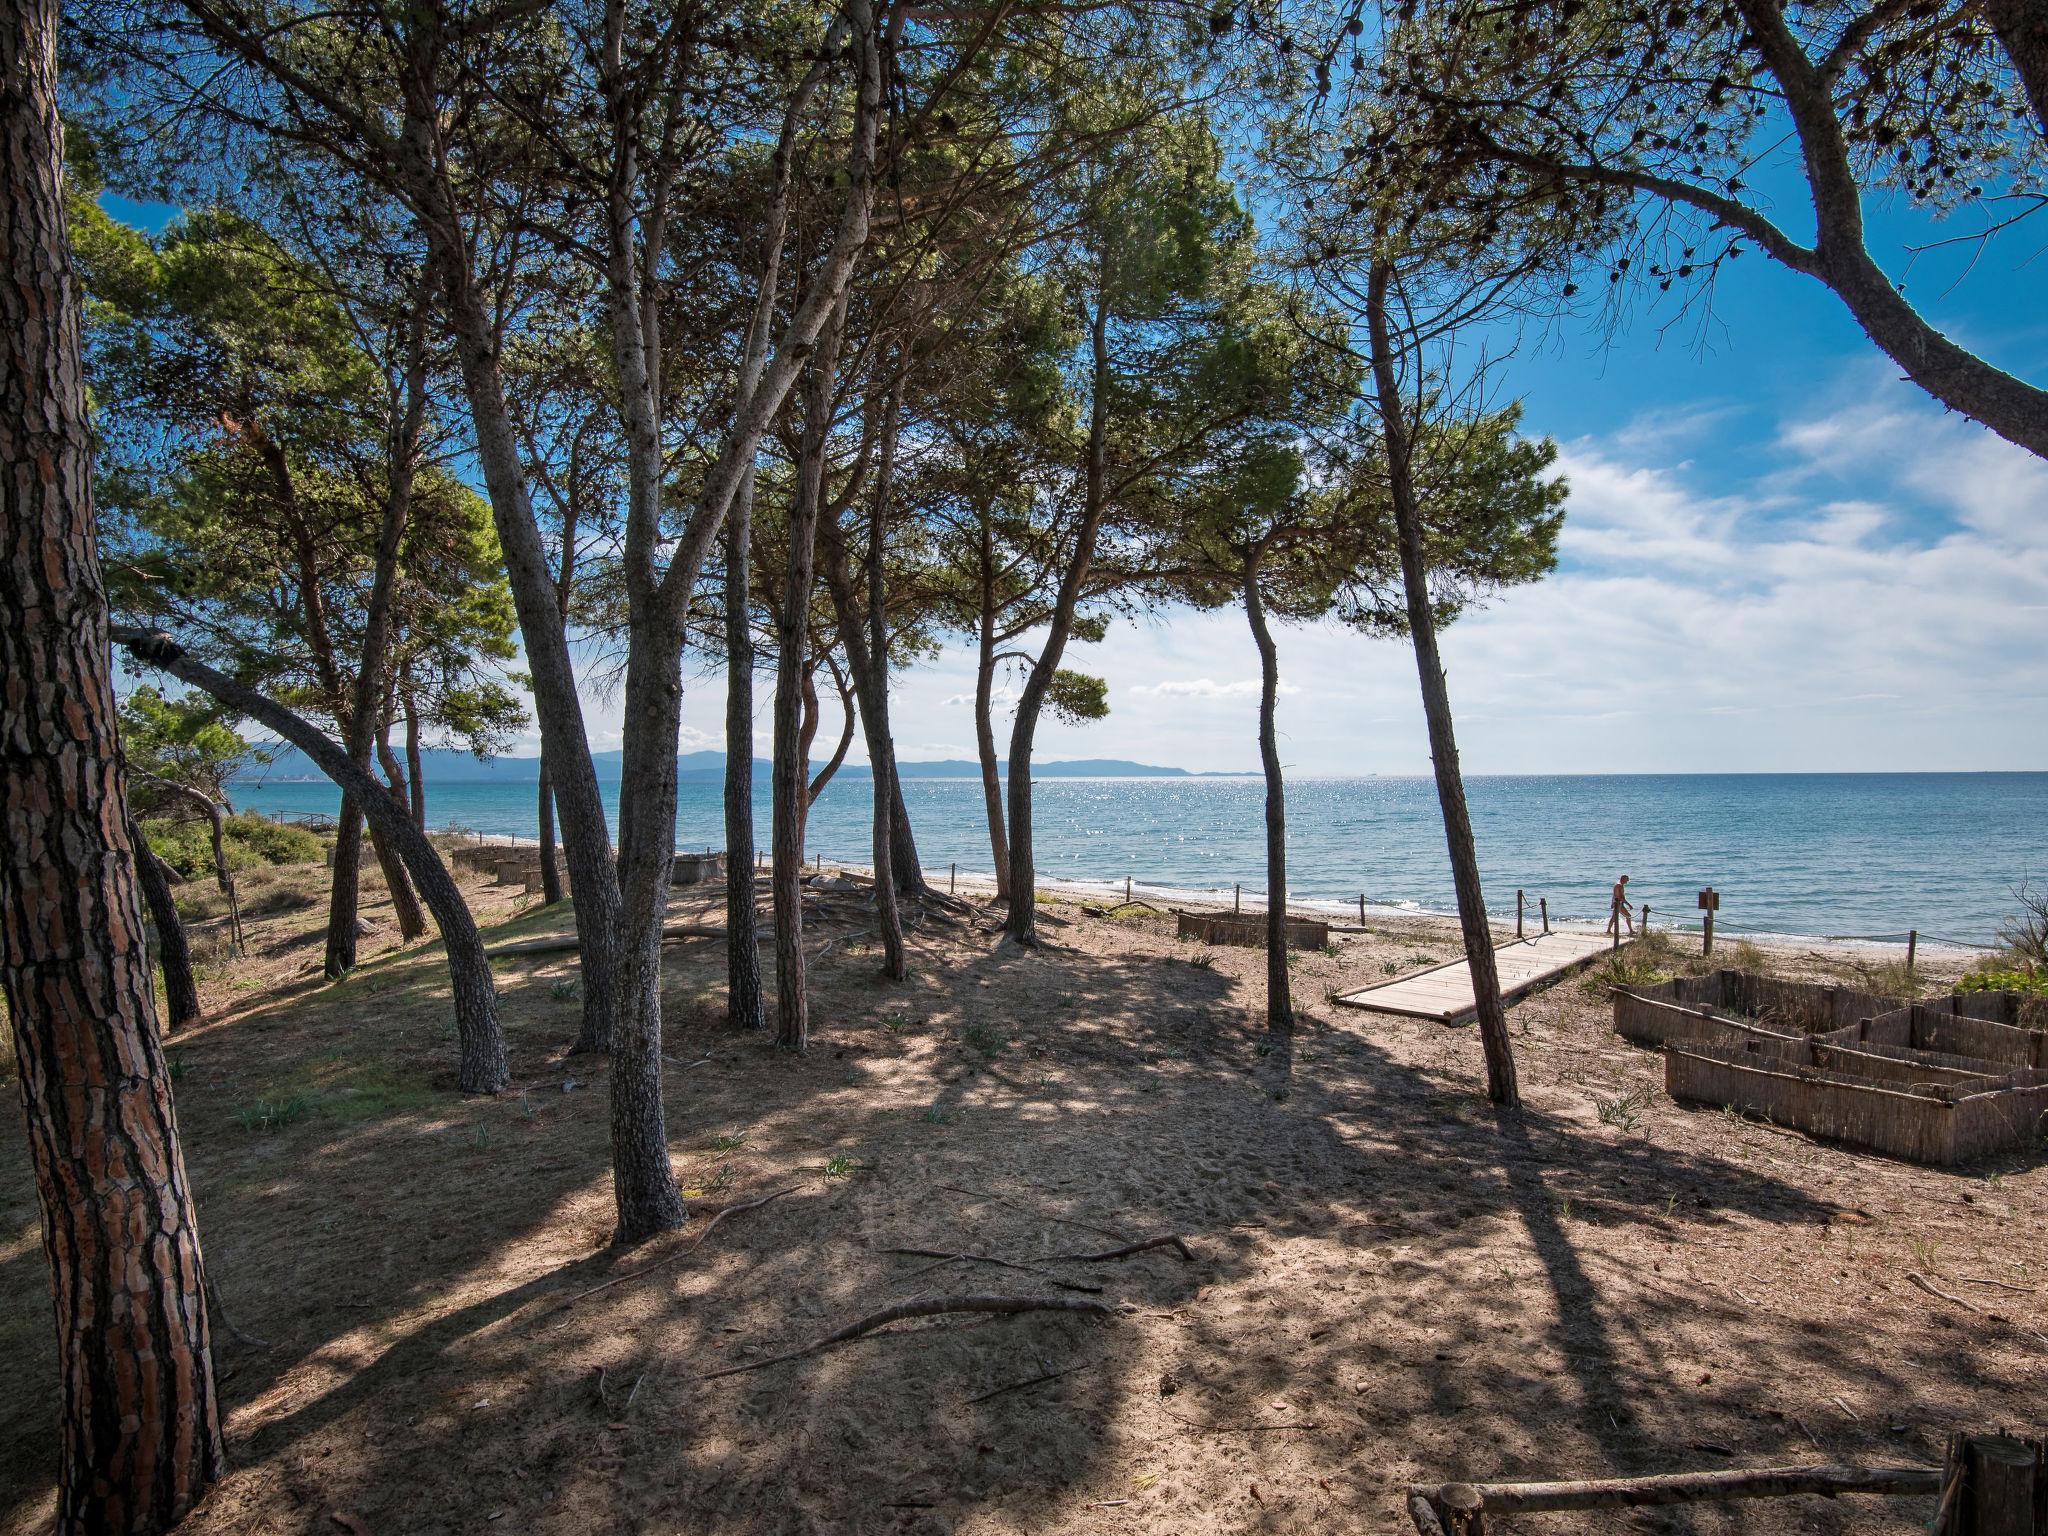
1444	992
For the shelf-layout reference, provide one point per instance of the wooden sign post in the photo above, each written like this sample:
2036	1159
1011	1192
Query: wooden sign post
1710	903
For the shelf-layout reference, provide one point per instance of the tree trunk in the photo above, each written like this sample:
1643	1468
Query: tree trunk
743	1007
984	708
908	868
140	1423
181	991
789	770
579	805
848	718
483	1067
2022	28
550	866
407	420
1279	993
405	900
1436	706
1018	925
881	743
415	766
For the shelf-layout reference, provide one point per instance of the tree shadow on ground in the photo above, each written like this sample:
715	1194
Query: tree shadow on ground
1390	1281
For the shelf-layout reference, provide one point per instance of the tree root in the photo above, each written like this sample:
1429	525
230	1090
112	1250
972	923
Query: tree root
680	1253
1168	1241
934	1306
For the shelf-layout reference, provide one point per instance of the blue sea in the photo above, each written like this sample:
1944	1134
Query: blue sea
1821	855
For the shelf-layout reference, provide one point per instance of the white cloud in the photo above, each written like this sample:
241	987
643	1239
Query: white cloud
1205	688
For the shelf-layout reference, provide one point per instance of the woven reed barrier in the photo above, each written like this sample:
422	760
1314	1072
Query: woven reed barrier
1250	931
1692	1010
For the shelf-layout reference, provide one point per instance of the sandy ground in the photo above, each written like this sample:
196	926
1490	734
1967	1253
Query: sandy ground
1389	1282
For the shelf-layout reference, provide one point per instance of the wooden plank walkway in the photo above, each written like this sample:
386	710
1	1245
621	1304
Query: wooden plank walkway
1444	992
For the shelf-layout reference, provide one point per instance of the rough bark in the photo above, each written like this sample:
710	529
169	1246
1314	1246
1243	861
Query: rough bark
482	1066
1279	992
788	772
1436	702
2022	28
415	766
742	941
174	954
1018	926
984	712
140	1425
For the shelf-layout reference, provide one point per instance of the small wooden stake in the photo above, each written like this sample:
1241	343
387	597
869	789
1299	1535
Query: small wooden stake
1544	903
953	879
1237	897
1518	914
1645	928
1912	944
1361	909
1127	890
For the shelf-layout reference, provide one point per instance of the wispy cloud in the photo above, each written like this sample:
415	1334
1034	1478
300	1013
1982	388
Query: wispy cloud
1204	688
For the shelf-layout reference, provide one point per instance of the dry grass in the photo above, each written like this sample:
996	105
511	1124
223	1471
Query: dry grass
1412	1286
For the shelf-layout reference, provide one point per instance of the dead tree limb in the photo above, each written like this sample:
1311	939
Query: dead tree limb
925	1306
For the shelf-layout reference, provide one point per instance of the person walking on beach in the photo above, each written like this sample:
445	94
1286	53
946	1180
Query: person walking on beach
1620	911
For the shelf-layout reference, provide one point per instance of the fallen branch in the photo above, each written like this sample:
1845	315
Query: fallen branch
1932	1289
989	1258
1673	1488
1168	1241
934	1306
680	1253
2024	1290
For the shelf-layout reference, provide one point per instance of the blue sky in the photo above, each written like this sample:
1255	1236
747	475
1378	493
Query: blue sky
1778	556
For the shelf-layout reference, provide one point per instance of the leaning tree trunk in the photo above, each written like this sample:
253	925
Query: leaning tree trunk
848	719
743	1006
1279	992
483	1066
140	1421
579	805
405	900
1436	707
415	767
181	991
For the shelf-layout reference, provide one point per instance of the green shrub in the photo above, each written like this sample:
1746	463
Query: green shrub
251	843
2028	983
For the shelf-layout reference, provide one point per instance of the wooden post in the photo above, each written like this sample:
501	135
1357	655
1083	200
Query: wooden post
1361	909
1461	1510
1617	930
1518	913
1707	934
1710	903
1127	890
1644	930
1989	1485
1912	944
1544	903
1237	898
953	878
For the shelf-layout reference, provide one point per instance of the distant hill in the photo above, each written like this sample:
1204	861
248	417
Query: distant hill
448	766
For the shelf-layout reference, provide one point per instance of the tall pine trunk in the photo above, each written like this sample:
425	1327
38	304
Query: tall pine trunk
1279	991
579	806
742	927
789	771
1436	703
405	899
984	712
1019	926
140	1422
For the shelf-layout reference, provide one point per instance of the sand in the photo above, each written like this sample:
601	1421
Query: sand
1389	1282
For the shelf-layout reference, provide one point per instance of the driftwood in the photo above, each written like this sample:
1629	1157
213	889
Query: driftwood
680	1253
1460	1507
926	1306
